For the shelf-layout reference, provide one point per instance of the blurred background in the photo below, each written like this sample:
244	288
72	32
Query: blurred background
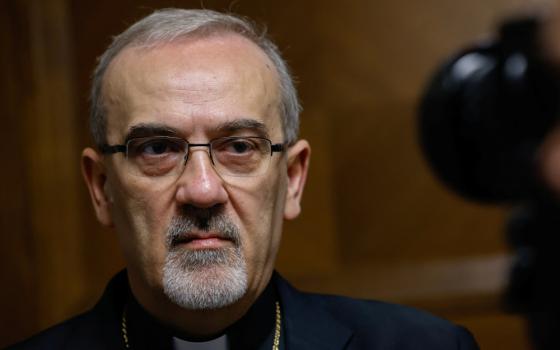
375	222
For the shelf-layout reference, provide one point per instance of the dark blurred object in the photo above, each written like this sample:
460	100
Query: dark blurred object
483	118
485	113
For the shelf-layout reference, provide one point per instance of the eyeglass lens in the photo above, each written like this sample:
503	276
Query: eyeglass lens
166	156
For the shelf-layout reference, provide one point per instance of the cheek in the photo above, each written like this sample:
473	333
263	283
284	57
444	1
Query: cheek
259	208
141	217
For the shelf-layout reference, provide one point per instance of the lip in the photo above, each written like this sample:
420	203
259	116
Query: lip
202	241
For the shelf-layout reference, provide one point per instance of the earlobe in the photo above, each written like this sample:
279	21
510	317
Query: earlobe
95	177
298	164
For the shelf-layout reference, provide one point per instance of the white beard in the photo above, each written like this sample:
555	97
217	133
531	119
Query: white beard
204	279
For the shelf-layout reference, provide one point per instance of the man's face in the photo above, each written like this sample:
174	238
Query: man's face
199	229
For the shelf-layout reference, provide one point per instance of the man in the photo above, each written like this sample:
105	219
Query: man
197	163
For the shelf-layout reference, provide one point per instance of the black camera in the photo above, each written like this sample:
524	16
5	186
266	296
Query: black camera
482	121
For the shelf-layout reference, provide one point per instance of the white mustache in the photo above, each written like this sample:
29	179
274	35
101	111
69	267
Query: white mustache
183	228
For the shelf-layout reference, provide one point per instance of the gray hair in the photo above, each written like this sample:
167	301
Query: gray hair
167	25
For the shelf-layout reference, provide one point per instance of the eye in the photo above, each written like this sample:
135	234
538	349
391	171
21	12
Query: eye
154	146
240	146
158	147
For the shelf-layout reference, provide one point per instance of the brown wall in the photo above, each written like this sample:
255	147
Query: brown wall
376	224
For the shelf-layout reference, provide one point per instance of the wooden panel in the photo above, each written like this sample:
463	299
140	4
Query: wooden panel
389	207
51	157
435	283
40	216
497	330
18	264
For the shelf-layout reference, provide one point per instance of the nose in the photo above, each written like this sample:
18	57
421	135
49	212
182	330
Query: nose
199	184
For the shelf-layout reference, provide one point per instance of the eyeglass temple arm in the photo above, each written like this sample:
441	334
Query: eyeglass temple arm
278	147
106	149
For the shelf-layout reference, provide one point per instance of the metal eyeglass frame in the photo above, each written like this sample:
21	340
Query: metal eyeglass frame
123	148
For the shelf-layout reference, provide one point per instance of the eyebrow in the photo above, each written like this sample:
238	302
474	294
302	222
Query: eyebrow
156	129
244	124
145	130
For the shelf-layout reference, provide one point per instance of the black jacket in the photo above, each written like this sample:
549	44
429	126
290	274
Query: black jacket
310	321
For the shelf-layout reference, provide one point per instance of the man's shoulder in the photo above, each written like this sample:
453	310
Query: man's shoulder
376	324
57	336
393	325
361	312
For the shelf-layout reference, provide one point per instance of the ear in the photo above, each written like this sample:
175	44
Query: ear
95	176
298	163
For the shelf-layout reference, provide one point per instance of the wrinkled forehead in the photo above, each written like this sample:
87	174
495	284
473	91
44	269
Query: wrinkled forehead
216	76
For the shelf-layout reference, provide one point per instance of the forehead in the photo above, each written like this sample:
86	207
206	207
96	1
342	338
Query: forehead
191	84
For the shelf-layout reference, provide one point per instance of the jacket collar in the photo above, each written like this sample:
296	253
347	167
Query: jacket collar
307	325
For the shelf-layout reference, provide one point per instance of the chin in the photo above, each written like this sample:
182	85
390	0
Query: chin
205	279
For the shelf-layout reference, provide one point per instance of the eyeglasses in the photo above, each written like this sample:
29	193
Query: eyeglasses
166	156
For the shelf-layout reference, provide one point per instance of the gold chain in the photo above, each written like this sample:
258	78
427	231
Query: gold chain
275	343
124	330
